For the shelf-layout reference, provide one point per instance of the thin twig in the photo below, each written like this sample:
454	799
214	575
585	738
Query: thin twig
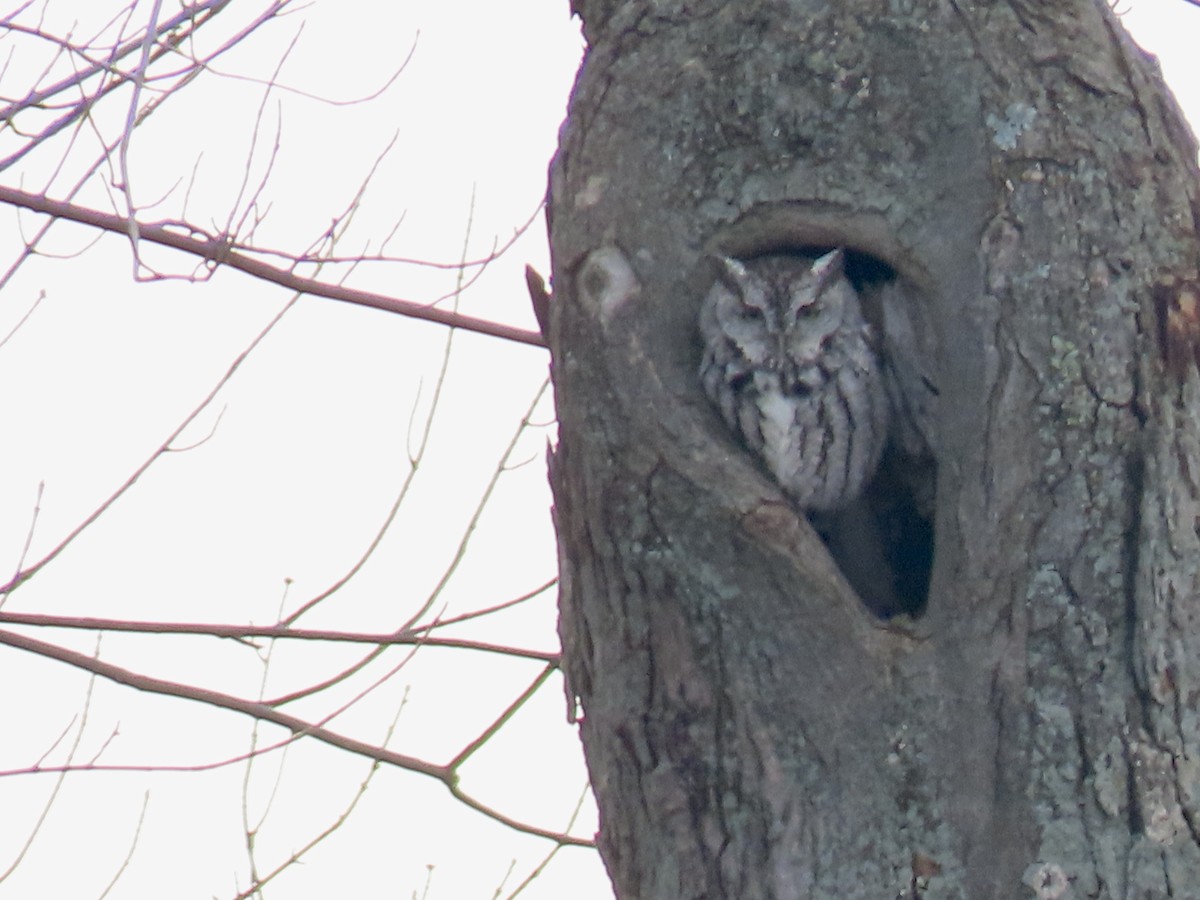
468	532
36	828
163	448
468	751
541	867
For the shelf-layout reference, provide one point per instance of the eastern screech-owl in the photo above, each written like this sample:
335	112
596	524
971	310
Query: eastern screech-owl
791	363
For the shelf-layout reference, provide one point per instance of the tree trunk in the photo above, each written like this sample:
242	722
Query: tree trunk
751	729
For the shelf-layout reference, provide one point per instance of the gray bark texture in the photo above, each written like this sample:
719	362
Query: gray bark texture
751	730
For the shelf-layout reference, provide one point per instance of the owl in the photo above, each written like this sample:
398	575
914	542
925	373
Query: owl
792	365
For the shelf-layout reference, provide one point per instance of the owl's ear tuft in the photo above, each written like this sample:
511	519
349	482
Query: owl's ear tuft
830	266
732	271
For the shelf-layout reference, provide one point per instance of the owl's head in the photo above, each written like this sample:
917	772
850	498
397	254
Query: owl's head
781	309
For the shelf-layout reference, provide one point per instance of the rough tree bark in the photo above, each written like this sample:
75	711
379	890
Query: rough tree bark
750	729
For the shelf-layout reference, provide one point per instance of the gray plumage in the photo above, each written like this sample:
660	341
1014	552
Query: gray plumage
792	365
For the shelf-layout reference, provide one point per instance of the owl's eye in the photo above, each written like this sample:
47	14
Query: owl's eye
752	312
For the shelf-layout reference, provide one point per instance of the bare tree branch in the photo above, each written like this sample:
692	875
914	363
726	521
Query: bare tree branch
217	251
448	775
244	632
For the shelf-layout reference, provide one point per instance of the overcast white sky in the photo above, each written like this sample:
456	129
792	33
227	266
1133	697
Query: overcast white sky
308	448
